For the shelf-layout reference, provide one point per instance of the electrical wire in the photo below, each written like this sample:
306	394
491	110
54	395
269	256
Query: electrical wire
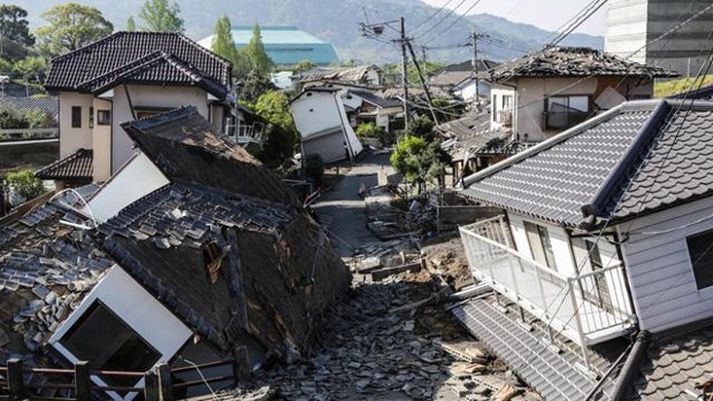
443	7
441	20
452	24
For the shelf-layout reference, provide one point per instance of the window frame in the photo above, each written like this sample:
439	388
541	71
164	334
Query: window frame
569	100
76	119
696	277
544	244
101	121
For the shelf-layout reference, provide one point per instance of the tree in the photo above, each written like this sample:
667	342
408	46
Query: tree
273	107
130	24
14	25
31	68
304	65
71	26
371	130
161	16
255	51
223	44
422	127
420	162
24	184
254	85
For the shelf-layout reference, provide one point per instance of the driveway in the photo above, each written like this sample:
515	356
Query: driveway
343	210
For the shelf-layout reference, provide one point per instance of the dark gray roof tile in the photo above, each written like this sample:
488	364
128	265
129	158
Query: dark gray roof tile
76	167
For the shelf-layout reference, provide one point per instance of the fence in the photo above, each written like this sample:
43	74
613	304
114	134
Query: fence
25	134
19	383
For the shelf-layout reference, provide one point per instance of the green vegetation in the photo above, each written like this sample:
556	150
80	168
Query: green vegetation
161	16
130	24
676	86
420	161
314	168
371	130
392	73
422	127
15	36
304	65
282	137
71	26
25	184
255	52
12	118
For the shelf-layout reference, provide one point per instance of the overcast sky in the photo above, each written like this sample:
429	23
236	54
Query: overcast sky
546	14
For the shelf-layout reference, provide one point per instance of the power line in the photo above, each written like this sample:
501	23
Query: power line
441	20
443	7
452	24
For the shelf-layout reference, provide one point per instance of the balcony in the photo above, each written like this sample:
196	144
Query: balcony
588	309
564	119
244	134
505	118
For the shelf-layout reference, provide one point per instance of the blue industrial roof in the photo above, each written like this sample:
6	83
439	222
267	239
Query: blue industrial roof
286	45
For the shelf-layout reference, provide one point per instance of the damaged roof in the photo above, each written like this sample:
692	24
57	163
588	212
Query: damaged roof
186	148
638	158
573	62
79	166
357	75
138	57
374	99
46	269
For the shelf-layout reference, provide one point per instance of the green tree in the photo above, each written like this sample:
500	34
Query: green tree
371	130
419	161
130	24
255	51
31	68
223	44
304	65
25	184
274	108
14	25
253	85
70	27
422	127
161	16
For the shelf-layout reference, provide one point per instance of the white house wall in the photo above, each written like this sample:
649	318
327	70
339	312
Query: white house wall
72	139
102	143
660	272
558	238
140	310
138	178
466	91
148	96
315	112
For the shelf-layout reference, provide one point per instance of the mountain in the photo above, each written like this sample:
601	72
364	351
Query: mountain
338	22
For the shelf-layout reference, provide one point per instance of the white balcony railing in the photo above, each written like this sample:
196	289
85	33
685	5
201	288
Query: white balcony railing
588	309
244	134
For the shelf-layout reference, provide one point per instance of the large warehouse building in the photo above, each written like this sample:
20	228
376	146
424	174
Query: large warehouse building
631	24
286	45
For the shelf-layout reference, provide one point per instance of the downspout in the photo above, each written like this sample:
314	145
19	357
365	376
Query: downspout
631	364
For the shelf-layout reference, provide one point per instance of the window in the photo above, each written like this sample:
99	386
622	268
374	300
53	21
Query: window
103	117
700	250
91	117
495	108
108	343
507	102
540	244
568	104
76	117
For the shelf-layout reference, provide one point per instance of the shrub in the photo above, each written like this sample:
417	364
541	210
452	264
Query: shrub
24	184
314	168
371	130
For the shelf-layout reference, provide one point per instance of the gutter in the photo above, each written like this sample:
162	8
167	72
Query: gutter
631	364
620	170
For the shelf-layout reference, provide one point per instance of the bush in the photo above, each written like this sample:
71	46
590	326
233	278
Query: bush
422	127
24	184
314	168
370	130
419	161
12	118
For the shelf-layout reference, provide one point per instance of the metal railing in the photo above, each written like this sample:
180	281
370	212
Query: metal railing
244	134
26	134
589	308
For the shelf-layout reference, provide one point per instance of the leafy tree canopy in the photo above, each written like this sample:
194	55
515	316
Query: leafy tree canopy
14	25
25	184
223	44
419	161
130	24
70	27
280	145
255	51
161	16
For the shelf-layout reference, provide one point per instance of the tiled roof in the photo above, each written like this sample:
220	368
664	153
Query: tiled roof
374	99
156	67
186	148
596	168
48	104
573	62
78	167
349	74
123	49
46	268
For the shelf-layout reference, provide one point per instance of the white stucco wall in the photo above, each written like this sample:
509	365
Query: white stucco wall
102	142
136	179
119	292
314	112
558	238
72	139
148	96
659	266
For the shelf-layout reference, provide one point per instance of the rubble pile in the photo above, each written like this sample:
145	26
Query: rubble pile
447	259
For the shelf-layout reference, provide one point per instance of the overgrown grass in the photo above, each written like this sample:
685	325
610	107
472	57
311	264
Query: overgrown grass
676	86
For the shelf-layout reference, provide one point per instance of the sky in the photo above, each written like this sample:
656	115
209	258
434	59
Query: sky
545	14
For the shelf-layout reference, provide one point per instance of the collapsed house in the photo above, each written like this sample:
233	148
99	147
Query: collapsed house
220	262
605	233
321	119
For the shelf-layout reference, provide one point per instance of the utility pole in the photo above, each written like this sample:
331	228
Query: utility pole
404	71
423	83
474	37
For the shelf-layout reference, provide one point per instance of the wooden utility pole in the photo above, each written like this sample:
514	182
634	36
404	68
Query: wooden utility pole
474	37
404	71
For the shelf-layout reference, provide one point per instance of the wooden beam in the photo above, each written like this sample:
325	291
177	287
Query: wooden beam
15	379
82	381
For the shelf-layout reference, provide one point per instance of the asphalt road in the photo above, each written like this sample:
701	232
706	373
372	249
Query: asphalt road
343	210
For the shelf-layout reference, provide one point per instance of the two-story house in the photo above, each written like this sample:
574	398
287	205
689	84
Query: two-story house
544	93
124	77
606	231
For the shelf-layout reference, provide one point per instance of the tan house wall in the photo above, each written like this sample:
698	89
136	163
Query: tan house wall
102	143
72	139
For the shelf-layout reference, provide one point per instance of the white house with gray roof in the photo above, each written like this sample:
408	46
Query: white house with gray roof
606	231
